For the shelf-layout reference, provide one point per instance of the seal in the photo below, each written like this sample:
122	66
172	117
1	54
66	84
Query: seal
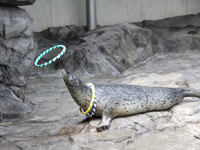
124	100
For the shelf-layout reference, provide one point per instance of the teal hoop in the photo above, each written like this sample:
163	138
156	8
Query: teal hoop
52	60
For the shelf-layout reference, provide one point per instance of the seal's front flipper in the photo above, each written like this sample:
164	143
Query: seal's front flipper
105	121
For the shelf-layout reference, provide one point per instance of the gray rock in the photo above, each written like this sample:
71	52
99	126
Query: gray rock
174	34
10	105
109	51
112	50
17	2
106	51
54	122
17	55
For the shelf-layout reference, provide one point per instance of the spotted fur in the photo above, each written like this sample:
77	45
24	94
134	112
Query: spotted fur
124	100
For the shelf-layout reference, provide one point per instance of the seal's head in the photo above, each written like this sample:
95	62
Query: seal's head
79	91
70	79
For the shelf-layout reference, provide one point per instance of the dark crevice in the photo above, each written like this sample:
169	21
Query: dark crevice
5	77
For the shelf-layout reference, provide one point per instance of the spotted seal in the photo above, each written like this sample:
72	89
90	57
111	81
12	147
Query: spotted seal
124	100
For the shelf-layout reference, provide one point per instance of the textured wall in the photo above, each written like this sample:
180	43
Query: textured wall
17	53
53	13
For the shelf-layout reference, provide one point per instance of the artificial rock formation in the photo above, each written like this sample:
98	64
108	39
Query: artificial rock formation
174	34
109	51
17	53
112	50
56	122
106	51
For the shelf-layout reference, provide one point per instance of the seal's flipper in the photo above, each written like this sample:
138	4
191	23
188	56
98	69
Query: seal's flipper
191	93
105	121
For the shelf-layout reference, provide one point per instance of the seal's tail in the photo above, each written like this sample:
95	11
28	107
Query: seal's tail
191	93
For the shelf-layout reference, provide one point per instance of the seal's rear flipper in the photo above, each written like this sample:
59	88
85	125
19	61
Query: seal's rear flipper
191	93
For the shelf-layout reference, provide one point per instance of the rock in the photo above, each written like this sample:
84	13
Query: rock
17	2
17	55
56	123
155	79
65	35
112	50
106	51
109	51
11	107
174	34
181	138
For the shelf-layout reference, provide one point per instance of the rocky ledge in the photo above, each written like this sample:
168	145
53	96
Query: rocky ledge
55	121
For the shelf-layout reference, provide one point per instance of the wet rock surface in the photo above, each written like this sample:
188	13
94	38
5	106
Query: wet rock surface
17	53
55	121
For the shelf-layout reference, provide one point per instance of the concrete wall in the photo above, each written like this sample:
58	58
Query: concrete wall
54	13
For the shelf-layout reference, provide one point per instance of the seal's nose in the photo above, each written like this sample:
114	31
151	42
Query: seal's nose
67	72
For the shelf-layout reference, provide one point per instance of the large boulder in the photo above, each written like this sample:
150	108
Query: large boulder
174	34
109	51
17	2
17	53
